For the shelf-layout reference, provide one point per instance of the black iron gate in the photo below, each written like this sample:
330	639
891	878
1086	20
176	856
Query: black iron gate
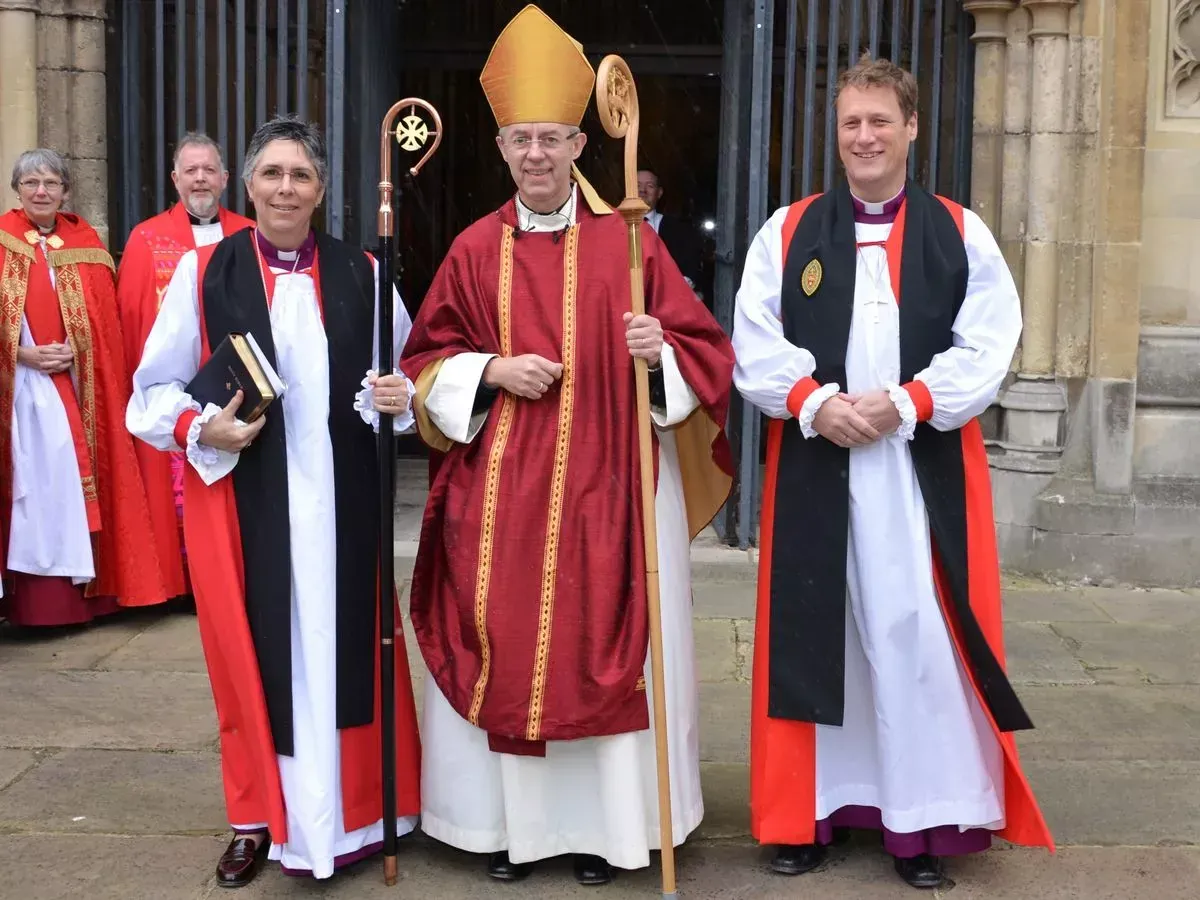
224	66
221	67
768	110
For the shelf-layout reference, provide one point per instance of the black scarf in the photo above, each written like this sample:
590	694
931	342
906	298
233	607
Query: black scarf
808	561
233	301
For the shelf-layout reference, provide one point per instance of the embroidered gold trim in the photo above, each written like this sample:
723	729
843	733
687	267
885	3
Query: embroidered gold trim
89	489
10	243
13	278
75	255
562	447
79	334
487	525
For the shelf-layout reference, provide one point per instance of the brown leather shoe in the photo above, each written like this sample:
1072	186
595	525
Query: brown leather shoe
241	861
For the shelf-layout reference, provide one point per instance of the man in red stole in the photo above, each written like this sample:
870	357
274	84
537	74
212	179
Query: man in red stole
74	529
280	517
874	324
528	596
147	264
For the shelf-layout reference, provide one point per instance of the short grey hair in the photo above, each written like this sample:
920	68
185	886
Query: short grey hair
287	128
197	139
32	161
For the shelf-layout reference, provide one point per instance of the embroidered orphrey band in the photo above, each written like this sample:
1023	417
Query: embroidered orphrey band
487	526
562	447
79	332
13	278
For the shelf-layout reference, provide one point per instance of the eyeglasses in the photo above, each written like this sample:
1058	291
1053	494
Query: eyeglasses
52	185
551	143
276	173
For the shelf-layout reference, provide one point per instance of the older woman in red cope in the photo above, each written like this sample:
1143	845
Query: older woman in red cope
74	528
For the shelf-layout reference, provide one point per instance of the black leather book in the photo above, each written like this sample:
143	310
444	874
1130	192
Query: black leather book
237	364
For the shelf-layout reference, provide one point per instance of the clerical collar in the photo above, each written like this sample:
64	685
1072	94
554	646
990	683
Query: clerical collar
558	220
196	220
877	213
287	259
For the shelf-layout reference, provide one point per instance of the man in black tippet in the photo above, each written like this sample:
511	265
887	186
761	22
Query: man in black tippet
874	324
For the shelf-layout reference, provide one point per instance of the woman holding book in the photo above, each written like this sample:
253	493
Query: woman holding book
74	527
280	515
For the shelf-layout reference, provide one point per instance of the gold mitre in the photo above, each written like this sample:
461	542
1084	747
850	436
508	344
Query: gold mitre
537	72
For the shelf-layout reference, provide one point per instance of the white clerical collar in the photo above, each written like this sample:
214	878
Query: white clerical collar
563	217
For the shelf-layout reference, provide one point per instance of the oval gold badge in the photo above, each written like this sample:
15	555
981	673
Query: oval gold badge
810	279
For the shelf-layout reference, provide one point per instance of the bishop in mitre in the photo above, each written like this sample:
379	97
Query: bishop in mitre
529	591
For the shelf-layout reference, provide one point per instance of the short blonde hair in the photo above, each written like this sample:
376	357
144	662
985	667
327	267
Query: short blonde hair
875	73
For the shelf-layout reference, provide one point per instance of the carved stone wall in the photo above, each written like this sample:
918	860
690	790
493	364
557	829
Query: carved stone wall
1183	75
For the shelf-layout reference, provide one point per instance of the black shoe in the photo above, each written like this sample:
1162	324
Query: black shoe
592	869
241	860
504	869
796	859
922	871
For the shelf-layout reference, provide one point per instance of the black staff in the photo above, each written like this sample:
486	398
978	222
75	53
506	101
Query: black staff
411	134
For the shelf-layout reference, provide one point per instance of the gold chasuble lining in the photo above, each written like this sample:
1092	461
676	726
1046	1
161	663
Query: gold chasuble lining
487	526
562	448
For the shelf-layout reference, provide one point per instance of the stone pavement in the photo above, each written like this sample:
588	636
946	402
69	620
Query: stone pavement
110	777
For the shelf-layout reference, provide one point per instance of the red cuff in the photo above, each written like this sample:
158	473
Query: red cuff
921	399
799	393
182	425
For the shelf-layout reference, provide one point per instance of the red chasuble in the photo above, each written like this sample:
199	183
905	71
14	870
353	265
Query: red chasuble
151	254
81	310
966	563
529	595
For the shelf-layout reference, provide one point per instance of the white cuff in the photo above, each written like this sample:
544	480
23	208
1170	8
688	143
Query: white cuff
812	406
210	463
451	399
681	399
364	403
906	408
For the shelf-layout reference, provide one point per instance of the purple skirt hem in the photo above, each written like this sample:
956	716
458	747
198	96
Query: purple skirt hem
944	840
339	862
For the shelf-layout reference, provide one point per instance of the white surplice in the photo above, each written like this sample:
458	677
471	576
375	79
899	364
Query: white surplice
914	742
312	777
48	531
595	795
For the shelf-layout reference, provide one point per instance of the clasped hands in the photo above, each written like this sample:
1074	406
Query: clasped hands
855	420
530	375
48	358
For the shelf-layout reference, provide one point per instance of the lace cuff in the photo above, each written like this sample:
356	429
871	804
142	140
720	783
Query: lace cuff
907	409
812	406
364	404
210	463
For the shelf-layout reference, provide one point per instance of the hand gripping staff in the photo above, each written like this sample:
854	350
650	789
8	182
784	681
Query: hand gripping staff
411	133
617	101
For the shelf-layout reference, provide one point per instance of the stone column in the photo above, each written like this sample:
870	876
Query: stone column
1036	402
1117	275
73	117
987	140
18	84
1014	174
